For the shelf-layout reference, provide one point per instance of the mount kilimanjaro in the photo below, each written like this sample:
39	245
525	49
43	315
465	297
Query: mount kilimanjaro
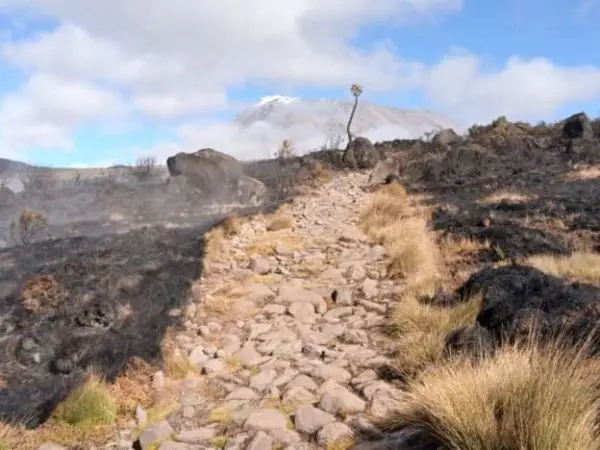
313	124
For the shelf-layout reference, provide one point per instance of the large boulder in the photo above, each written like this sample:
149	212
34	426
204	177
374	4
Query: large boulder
250	190
213	172
578	126
386	168
215	175
361	154
7	196
446	137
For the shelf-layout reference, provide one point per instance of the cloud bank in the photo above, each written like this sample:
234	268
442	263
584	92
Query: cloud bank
107	63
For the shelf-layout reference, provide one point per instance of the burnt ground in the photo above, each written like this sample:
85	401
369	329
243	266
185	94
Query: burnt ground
526	191
101	285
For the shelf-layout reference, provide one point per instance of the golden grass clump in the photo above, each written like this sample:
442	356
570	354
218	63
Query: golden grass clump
231	226
391	221
134	387
579	266
526	396
506	196
90	404
213	245
89	414
321	173
281	219
175	364
420	330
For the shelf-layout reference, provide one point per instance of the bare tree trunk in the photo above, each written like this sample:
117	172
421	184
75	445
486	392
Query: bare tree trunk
348	146
350	119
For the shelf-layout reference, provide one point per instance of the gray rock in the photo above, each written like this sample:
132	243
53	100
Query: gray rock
331	372
170	445
51	446
265	419
197	435
302	312
214	366
231	344
305	382
256	329
141	416
297	395
242	393
258	293
309	419
337	313
363	378
343	296
385	402
291	293
263	380
372	306
336	399
356	272
285	437
155	433
261	441
198	357
248	355
274	310
188	412
333	433
260	265
299	446
369	288
237	442
354	336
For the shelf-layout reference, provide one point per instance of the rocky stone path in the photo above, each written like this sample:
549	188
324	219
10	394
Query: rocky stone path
283	334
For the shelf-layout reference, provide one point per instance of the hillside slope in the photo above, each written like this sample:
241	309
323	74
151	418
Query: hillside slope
312	123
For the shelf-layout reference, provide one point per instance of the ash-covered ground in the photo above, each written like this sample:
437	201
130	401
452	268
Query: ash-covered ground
96	287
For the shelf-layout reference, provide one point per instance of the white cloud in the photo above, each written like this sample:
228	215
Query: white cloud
48	110
171	60
523	89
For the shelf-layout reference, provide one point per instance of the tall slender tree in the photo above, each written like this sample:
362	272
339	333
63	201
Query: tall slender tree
356	90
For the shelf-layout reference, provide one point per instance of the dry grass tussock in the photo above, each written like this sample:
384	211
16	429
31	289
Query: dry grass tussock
392	221
87	416
91	414
579	266
227	304
506	196
214	240
281	219
582	174
526	396
418	329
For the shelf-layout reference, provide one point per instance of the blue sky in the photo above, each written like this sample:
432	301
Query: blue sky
82	85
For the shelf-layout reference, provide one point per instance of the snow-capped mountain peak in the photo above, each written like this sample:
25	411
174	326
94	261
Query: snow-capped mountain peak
315	124
275	99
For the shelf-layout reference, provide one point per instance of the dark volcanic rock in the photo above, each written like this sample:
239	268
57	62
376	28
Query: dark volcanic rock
361	153
518	299
472	339
446	137
217	175
578	126
7	196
